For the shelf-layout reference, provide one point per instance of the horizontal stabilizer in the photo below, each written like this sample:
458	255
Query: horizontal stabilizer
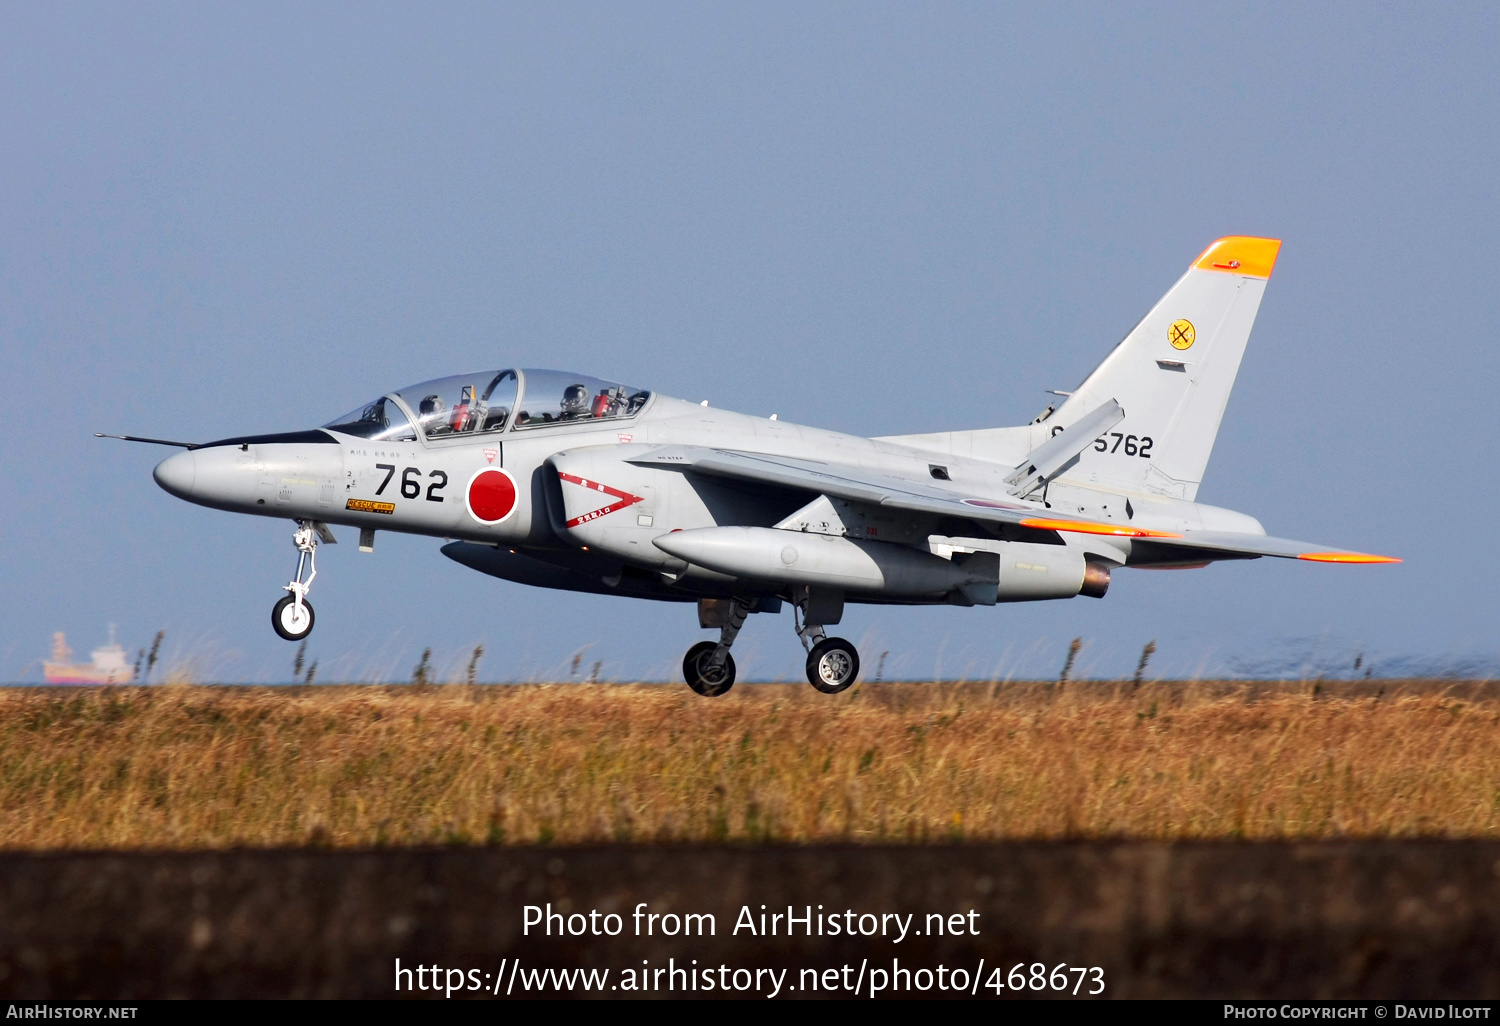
1047	460
1226	545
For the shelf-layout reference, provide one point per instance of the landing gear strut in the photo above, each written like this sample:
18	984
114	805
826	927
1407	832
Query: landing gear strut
832	663
708	666
292	616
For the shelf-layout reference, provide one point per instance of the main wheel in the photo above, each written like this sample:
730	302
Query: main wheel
290	621
708	680
832	665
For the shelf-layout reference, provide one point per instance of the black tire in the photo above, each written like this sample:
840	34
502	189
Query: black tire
286	630
715	681
832	666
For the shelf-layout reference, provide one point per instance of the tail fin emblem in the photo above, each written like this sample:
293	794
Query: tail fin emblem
1181	334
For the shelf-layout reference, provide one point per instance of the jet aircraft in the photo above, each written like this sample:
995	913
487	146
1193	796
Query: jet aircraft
560	480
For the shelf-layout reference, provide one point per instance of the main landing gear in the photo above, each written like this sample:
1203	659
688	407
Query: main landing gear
708	667
832	663
292	616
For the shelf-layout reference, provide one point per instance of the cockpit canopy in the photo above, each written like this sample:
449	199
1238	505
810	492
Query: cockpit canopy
464	404
487	403
556	397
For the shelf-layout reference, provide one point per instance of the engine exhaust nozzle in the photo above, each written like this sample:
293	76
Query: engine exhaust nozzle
1095	579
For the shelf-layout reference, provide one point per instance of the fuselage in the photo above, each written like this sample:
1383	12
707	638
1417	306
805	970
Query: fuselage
580	505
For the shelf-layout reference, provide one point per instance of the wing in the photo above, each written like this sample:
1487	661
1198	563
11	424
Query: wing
839	481
858	484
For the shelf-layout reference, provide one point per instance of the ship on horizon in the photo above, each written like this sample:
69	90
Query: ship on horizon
109	665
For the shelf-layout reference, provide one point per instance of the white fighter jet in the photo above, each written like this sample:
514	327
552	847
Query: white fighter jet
560	480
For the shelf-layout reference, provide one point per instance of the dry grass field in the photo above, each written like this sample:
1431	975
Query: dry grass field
182	766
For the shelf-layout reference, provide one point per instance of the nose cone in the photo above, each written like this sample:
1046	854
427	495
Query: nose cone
176	474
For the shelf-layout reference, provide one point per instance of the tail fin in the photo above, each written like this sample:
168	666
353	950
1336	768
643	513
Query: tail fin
1173	373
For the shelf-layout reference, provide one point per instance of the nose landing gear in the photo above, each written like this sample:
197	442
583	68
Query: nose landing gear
292	616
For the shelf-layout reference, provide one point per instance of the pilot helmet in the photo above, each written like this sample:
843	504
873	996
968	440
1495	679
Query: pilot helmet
575	398
431	404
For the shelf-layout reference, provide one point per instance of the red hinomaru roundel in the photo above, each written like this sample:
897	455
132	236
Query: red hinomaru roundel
491	495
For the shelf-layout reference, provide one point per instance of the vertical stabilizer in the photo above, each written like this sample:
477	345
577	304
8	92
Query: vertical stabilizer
1173	374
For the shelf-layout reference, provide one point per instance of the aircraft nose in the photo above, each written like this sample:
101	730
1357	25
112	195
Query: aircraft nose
176	473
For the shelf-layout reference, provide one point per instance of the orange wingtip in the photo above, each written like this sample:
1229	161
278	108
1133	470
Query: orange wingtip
1240	254
1084	527
1346	557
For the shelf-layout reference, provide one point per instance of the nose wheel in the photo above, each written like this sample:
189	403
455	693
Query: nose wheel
832	665
291	619
292	615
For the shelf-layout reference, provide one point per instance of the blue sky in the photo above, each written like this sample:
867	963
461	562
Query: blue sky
221	219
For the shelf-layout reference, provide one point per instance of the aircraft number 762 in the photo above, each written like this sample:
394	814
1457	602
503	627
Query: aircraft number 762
411	485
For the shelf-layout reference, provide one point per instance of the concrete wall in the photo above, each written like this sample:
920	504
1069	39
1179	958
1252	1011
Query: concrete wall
1359	919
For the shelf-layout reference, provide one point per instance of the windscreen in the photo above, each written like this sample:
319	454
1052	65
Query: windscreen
381	420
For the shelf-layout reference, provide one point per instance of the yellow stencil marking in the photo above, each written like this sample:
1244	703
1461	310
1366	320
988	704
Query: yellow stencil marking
1181	334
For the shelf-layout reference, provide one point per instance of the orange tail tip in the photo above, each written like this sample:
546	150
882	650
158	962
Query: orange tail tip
1240	254
1084	527
1346	557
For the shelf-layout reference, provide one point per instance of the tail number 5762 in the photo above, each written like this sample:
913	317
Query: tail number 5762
1129	445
